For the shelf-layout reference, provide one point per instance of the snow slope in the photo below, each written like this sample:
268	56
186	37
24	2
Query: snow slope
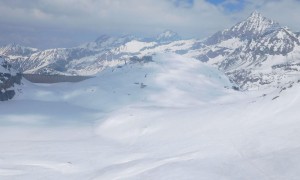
166	119
10	81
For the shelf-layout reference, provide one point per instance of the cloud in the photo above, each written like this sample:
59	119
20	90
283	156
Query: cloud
183	3
69	22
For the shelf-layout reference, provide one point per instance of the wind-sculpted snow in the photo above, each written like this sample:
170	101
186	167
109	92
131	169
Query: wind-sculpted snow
158	119
226	107
163	79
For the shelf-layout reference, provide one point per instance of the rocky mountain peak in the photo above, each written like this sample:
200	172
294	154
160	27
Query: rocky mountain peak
252	27
168	36
255	25
17	50
255	15
280	41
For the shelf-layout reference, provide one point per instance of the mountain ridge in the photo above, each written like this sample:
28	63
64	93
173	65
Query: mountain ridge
240	52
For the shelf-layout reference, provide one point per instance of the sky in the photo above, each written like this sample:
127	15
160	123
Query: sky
67	23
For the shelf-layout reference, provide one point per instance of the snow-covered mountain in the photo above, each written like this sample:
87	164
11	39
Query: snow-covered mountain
251	28
168	36
91	58
17	50
9	81
157	109
255	53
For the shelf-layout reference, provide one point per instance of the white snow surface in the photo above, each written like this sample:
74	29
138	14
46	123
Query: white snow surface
168	119
136	46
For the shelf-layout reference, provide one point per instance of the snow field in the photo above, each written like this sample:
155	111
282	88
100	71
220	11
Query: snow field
166	119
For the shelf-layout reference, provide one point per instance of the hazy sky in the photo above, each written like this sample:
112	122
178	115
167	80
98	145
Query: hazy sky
65	23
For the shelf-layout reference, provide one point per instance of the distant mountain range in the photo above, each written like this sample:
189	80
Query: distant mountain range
255	53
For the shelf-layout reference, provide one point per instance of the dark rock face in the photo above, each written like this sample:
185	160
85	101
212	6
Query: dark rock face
8	80
143	59
48	79
7	95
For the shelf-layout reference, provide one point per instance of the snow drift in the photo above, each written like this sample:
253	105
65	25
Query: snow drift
170	118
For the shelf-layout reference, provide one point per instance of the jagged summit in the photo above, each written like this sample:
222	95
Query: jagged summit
17	49
251	28
168	36
255	14
256	24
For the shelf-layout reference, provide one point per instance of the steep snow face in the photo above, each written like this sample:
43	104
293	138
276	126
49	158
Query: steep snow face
17	56
224	44
9	81
255	53
252	54
17	50
53	60
251	28
240	35
279	42
263	62
216	53
255	25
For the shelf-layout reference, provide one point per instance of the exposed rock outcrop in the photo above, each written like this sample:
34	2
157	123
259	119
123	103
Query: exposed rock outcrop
9	80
